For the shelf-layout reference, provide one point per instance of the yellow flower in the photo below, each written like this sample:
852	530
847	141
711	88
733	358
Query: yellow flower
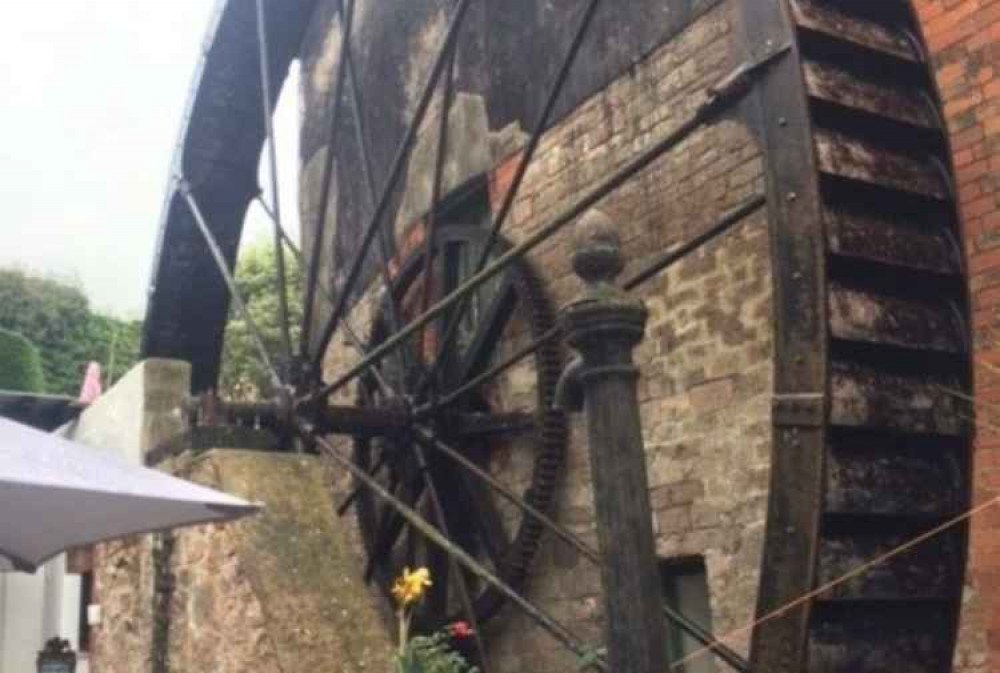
409	587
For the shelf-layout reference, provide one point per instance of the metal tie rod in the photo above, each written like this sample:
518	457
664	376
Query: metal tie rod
456	570
724	224
426	438
690	627
227	276
352	334
553	627
541	125
312	270
720	97
374	222
272	154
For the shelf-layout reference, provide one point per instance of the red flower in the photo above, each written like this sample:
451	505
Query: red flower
460	630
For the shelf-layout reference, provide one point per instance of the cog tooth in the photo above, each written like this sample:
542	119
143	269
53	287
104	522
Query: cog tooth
551	451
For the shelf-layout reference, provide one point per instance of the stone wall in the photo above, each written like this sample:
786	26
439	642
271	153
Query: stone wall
964	40
706	361
140	411
275	592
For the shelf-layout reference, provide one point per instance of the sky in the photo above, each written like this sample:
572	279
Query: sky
93	94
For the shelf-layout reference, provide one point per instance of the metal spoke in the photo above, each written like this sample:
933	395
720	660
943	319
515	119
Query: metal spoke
396	171
529	152
730	90
427	438
227	276
492	534
491	373
433	214
698	632
349	330
691	628
463	589
490	327
380	462
356	491
312	270
395	312
549	624
725	223
279	254
392	523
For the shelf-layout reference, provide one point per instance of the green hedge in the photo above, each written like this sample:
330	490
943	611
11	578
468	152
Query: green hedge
20	364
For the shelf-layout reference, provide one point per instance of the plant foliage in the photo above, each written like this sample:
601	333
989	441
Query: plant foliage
20	364
243	375
58	319
432	654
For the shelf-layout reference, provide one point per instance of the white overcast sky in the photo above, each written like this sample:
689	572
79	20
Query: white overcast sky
92	96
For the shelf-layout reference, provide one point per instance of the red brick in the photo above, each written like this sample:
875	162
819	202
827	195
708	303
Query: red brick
964	39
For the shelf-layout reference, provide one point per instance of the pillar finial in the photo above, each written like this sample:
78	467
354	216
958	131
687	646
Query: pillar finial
597	248
603	325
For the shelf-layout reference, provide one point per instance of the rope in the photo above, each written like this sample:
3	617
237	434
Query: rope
906	546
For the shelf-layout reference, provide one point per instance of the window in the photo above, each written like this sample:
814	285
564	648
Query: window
685	590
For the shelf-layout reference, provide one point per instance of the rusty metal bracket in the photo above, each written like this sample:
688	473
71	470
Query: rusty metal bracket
738	82
799	410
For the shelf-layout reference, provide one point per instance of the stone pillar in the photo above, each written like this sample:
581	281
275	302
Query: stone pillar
604	325
141	411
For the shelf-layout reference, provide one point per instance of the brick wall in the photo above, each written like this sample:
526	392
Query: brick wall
964	40
706	360
707	357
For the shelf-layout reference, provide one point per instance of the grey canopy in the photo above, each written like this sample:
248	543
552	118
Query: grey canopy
56	494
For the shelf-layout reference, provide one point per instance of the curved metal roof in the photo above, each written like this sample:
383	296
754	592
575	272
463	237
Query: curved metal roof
221	137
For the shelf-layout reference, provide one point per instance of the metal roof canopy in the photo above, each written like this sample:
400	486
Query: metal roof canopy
44	412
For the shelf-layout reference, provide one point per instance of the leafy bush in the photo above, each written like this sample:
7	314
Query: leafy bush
58	319
243	376
20	364
430	653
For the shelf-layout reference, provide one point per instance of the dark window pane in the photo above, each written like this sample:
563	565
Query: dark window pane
685	589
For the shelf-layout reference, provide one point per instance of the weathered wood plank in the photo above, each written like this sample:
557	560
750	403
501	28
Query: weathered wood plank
827	19
835	85
865	316
849	157
864	396
901	239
